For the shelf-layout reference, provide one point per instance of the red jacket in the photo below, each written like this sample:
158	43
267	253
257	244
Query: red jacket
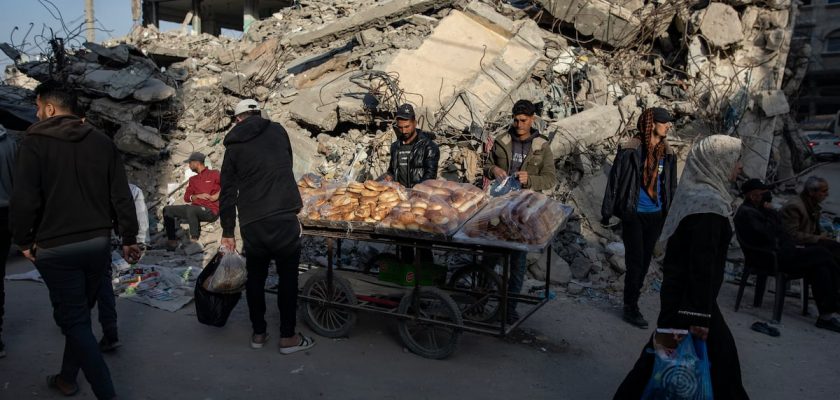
209	182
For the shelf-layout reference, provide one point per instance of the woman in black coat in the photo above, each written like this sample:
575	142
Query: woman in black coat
698	232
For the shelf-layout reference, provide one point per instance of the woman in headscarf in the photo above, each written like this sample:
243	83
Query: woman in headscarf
697	234
639	192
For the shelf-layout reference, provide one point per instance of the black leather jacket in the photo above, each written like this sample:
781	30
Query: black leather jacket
423	164
622	194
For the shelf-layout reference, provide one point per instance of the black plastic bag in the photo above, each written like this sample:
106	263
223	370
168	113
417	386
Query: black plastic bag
213	308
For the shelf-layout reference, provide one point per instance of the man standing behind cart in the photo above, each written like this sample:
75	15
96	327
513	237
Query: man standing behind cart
521	153
414	155
257	181
414	159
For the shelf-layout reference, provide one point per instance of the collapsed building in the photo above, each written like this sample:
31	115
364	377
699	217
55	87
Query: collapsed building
333	73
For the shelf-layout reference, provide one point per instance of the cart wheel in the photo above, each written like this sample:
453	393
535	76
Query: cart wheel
326	320
482	304
428	339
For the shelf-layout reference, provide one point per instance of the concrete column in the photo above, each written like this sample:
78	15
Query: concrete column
250	14
91	32
196	22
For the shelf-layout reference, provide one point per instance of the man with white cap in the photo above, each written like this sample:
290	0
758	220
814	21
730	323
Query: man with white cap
257	181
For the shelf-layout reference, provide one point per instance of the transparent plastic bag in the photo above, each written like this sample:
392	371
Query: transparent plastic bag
434	208
230	275
528	218
355	204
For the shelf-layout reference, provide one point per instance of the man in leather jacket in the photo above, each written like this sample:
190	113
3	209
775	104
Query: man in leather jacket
414	156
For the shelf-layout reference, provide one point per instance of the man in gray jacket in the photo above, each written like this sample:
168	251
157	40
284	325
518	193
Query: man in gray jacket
8	148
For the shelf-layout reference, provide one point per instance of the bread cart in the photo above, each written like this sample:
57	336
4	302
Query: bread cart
431	319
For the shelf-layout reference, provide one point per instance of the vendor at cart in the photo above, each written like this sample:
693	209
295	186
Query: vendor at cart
523	154
414	155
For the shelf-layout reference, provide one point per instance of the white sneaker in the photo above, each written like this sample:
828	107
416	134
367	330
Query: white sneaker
306	343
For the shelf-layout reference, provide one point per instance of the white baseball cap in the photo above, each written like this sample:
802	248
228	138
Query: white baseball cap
245	106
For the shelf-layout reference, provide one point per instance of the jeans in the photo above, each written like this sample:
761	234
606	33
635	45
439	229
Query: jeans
107	304
73	275
518	264
640	232
274	238
5	244
194	215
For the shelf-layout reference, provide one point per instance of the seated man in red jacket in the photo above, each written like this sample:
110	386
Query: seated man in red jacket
202	198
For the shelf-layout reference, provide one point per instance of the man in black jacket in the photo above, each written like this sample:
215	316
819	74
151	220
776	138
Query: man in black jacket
69	181
758	225
257	181
414	155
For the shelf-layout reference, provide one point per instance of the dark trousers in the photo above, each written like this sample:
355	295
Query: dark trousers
73	274
407	254
833	247
274	238
640	232
193	215
818	266
723	357
518	266
5	245
107	304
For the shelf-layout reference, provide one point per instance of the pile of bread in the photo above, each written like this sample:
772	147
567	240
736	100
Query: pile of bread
309	185
522	217
368	202
435	206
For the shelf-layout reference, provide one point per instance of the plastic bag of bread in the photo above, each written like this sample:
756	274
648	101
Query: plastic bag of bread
525	217
313	199
419	216
355	204
466	199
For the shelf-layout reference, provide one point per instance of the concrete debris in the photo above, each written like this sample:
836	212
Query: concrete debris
720	25
333	72
603	20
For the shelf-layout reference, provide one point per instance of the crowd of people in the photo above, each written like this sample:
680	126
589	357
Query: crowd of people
64	163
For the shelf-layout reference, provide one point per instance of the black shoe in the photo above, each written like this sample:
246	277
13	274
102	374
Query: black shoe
635	318
512	317
2	349
830	324
108	345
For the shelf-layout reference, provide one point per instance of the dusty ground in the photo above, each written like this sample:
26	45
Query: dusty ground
582	352
587	352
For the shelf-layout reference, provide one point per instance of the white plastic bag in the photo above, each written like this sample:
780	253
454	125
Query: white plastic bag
230	275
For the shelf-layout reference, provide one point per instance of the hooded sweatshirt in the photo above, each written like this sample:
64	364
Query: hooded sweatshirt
257	177
70	185
8	146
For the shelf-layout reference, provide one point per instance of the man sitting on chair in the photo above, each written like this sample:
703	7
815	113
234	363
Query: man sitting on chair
758	225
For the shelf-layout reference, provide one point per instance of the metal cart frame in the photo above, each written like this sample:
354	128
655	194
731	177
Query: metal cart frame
500	328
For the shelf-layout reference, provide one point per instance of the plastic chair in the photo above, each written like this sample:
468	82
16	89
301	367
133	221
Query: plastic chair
764	263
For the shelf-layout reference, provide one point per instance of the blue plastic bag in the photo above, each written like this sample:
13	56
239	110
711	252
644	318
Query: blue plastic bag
504	186
681	374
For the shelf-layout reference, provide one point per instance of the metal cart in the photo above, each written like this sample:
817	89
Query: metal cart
431	319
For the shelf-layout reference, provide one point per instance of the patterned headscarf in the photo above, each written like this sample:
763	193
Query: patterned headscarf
704	185
651	153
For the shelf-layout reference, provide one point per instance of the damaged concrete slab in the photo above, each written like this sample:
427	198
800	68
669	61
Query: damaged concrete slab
376	15
467	78
604	20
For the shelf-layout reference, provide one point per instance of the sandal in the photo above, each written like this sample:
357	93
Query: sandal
52	383
762	327
306	343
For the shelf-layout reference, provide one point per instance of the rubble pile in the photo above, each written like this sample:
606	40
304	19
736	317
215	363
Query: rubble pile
334	72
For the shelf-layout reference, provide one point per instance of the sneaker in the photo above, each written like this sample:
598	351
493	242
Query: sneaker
635	318
258	340
832	324
107	345
306	343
